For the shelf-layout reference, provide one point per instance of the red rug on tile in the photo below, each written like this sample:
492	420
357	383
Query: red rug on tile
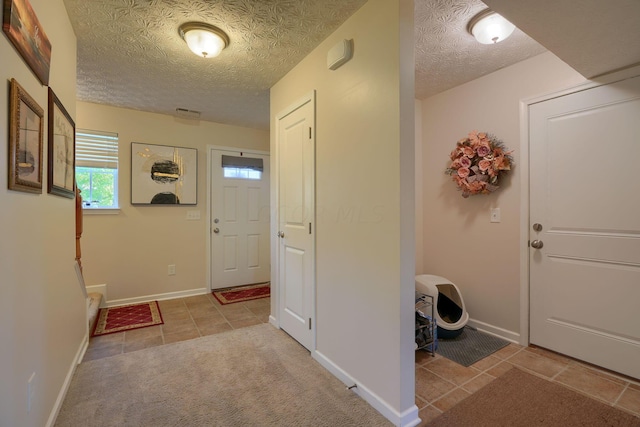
242	293
127	317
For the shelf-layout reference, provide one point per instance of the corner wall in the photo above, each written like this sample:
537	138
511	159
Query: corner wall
42	308
481	258
130	251
365	226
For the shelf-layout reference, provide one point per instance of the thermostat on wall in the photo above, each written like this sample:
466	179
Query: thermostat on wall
339	54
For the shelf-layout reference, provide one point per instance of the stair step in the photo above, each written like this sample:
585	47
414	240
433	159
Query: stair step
95	299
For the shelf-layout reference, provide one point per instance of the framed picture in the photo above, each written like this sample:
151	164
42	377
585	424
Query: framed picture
61	149
25	141
22	27
163	175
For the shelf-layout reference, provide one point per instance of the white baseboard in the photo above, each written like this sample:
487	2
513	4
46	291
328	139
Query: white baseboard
101	289
408	418
274	321
67	381
157	297
510	336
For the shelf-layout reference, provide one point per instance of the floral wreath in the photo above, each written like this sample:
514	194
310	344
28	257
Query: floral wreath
478	163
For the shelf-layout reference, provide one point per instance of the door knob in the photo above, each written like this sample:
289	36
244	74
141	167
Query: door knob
537	244
216	230
281	234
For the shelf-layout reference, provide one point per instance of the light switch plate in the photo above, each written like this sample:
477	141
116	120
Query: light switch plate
495	215
193	215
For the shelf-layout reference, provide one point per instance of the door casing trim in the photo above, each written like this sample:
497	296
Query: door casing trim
211	147
524	183
309	97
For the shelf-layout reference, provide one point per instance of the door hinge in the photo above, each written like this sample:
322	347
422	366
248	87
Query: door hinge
309	132
309	323
309	228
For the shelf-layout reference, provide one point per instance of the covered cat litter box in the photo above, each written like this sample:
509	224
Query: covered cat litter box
450	313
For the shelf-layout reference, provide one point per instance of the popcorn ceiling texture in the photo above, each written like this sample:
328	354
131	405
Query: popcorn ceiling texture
131	55
448	56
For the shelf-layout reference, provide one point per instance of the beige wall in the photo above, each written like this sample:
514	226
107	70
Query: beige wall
460	243
130	251
42	309
365	223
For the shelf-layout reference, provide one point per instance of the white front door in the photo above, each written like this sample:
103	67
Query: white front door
296	194
239	220
585	225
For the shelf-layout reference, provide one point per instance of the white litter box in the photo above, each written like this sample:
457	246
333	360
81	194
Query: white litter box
450	312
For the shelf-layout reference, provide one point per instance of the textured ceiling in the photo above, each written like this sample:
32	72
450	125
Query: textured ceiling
447	55
130	54
592	36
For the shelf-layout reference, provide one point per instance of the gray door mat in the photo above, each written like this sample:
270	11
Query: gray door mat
470	346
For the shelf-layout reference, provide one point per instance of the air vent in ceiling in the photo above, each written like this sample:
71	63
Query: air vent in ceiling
187	114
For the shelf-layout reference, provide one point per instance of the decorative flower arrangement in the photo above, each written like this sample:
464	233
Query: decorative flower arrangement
478	163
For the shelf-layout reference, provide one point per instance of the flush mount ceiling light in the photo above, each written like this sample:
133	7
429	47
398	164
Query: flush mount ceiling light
203	39
489	28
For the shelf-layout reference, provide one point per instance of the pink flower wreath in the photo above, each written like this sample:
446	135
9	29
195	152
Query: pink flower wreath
478	163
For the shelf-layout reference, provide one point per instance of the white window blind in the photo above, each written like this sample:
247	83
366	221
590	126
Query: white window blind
96	149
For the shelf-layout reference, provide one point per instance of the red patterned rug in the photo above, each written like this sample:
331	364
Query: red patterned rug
127	317
242	293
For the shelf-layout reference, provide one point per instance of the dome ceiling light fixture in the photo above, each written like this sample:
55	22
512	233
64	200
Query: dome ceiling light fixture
489	28
204	40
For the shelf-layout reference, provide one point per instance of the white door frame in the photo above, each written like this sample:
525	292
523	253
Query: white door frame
211	147
524	183
275	221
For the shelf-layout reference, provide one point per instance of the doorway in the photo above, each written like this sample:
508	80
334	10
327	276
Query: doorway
584	225
295	246
239	217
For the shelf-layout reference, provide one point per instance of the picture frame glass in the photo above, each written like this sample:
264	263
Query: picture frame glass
61	149
163	175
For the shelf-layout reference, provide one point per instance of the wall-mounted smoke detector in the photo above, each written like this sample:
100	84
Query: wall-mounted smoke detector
187	114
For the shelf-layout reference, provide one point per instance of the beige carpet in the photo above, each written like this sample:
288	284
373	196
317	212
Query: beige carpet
519	399
255	376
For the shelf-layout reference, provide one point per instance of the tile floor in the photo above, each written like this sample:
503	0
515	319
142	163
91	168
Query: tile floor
184	319
440	383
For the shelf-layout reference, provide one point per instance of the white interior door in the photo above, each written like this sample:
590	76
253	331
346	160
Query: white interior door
239	220
585	260
296	160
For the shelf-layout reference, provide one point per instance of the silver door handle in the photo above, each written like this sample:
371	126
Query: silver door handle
280	234
216	230
537	244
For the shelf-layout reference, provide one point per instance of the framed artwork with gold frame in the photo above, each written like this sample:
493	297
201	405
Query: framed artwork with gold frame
25	141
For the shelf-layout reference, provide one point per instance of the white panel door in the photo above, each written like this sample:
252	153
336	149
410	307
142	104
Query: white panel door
296	162
585	196
239	224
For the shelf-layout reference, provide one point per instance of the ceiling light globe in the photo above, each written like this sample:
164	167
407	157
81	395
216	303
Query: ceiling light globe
204	40
490	28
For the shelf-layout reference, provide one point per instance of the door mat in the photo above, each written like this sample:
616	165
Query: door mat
127	317
470	346
520	399
243	293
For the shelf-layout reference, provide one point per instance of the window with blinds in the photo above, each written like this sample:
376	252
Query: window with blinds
97	168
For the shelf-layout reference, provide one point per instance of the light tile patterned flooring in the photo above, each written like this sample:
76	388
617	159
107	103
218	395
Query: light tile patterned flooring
440	383
184	319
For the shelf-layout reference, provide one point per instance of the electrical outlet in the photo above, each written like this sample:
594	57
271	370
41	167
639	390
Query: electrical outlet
31	391
172	269
495	215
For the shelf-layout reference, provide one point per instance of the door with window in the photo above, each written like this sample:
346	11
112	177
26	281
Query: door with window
239	218
585	225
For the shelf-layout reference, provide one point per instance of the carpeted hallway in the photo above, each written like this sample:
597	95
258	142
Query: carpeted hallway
440	383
